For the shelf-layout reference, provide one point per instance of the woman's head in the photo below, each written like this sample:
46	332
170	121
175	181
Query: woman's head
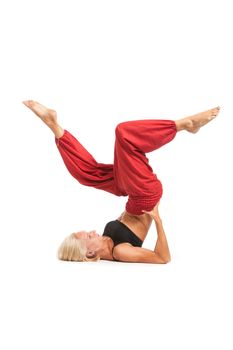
81	246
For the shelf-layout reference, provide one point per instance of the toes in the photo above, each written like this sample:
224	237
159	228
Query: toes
215	111
28	103
31	102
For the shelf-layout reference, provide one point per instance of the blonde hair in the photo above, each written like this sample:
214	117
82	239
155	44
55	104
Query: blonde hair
71	249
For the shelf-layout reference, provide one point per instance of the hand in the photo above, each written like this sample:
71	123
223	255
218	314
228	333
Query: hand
154	213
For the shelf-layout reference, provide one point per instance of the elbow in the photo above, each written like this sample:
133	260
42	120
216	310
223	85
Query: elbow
167	260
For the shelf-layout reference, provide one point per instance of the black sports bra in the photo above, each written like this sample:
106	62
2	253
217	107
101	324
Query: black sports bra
120	233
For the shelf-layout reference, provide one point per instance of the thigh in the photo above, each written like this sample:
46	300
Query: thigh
134	176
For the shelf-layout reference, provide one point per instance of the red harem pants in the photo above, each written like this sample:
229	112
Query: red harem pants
131	174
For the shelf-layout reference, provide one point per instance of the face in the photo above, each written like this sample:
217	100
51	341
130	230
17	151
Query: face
92	240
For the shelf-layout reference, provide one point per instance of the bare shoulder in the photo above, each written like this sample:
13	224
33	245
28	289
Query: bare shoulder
125	252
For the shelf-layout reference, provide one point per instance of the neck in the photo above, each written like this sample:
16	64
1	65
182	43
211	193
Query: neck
106	251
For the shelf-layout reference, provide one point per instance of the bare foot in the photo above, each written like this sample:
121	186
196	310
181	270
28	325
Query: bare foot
196	121
48	116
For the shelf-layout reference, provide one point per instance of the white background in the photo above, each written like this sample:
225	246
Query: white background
99	63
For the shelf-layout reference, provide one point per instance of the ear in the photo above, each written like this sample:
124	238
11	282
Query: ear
90	254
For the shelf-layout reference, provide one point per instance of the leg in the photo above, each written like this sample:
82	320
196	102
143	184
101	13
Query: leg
82	166
79	162
196	121
132	172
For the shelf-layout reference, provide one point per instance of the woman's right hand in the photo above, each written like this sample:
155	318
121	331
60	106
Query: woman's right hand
154	213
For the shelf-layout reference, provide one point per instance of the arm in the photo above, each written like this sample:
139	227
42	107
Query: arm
161	255
161	246
127	253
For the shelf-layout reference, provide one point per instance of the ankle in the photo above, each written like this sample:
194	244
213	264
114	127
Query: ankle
189	125
56	129
184	124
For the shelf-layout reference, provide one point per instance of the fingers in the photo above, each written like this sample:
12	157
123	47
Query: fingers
150	213
145	212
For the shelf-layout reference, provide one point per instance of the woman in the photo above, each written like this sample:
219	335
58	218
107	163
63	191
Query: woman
130	175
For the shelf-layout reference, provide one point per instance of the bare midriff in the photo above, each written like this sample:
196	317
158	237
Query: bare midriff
139	224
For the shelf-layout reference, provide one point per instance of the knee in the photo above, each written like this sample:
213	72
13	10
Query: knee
120	130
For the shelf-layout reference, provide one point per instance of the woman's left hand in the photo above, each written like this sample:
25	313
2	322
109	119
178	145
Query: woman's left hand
154	213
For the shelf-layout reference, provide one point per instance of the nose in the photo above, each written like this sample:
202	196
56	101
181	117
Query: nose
93	233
